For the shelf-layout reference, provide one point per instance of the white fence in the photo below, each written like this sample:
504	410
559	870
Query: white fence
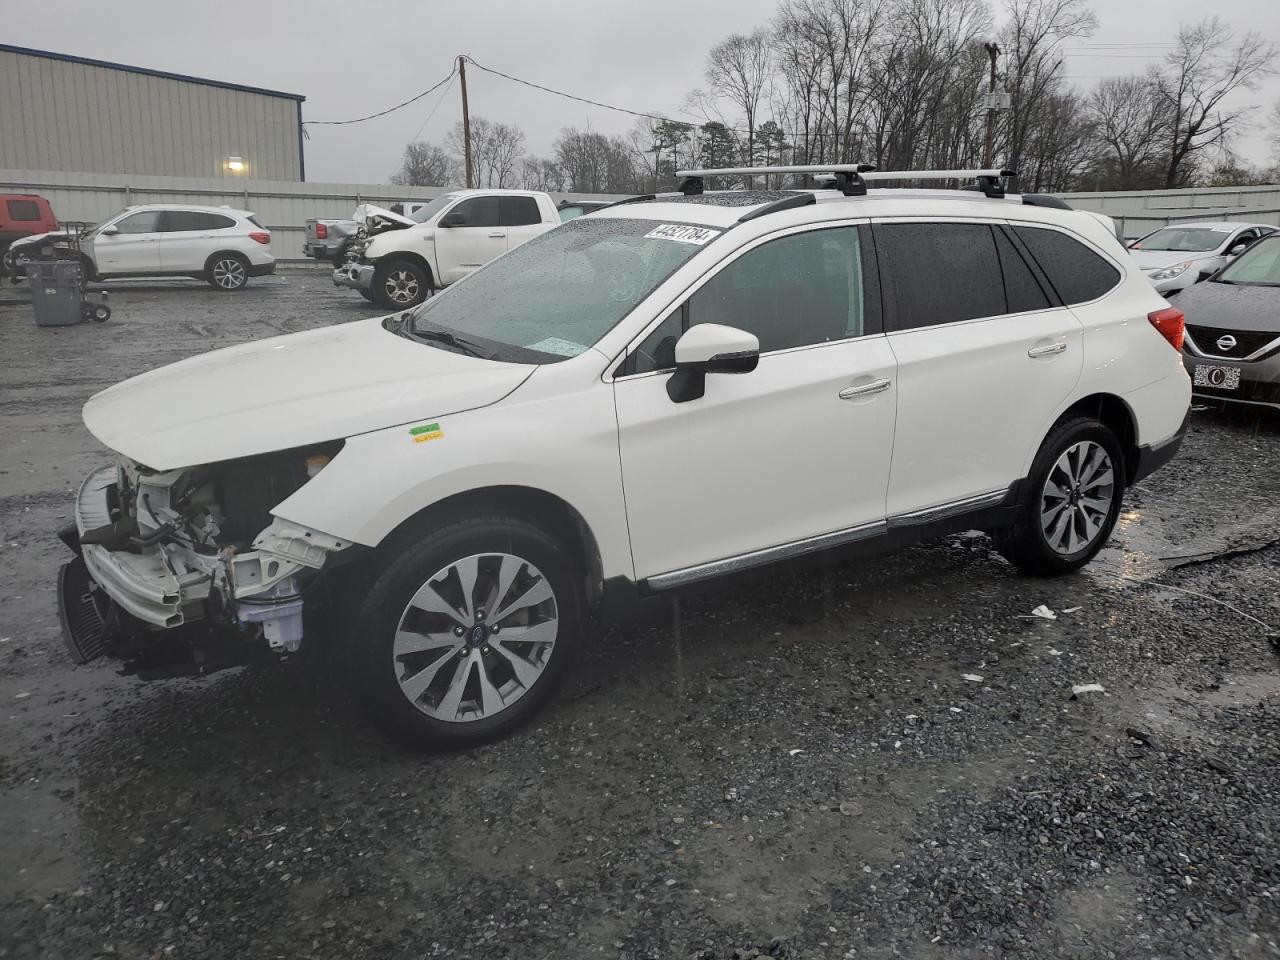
283	207
1138	212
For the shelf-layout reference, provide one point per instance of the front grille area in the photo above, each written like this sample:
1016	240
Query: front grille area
1247	341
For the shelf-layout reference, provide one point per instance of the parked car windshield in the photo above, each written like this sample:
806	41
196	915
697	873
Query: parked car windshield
1184	239
1259	265
555	296
423	214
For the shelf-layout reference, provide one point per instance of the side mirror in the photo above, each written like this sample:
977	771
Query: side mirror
1238	249
108	231
710	348
453	220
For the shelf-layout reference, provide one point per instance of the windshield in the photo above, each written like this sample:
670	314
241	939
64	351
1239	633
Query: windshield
1184	239
1259	265
555	296
423	214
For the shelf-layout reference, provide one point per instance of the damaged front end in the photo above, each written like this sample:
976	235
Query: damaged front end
183	572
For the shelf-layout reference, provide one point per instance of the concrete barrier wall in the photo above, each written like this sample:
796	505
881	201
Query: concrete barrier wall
283	207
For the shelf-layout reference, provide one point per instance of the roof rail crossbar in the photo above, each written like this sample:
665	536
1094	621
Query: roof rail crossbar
847	175
785	203
642	198
988	180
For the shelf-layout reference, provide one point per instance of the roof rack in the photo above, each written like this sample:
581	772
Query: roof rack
848	175
988	179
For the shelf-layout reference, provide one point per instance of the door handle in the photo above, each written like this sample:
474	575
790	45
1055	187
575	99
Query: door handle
1047	349
497	234
865	389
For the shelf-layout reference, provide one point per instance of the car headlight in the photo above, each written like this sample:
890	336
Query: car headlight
1171	271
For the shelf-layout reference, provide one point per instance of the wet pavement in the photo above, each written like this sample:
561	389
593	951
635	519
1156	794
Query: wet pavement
796	765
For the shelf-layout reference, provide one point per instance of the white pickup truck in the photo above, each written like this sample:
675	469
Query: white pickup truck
447	239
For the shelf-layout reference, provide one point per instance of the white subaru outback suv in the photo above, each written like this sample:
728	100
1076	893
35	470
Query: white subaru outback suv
670	390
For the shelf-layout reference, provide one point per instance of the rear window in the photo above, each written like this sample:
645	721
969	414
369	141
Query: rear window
1078	274
518	211
23	210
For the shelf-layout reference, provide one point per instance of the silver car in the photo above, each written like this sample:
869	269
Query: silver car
1178	256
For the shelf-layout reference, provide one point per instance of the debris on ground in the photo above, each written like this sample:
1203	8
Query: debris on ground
972	677
1142	736
1039	613
1081	688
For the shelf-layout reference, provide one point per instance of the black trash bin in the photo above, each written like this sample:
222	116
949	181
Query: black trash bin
56	292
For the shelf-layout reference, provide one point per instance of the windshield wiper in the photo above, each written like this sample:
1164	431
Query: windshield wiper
447	338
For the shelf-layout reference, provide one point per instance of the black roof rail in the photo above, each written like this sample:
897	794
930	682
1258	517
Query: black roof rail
642	198
776	206
1044	200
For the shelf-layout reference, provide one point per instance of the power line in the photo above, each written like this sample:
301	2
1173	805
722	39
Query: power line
452	77
382	113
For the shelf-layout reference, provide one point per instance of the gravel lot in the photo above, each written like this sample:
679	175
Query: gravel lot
794	766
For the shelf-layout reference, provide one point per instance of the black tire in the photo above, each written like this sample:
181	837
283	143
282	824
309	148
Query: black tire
227	272
1025	543
403	570
100	313
400	284
87	269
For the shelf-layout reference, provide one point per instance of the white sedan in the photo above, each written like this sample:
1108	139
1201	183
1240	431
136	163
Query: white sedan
1177	256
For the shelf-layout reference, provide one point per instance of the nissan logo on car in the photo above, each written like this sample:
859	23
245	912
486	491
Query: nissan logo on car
1226	343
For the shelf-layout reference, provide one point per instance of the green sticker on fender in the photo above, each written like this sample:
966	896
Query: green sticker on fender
426	431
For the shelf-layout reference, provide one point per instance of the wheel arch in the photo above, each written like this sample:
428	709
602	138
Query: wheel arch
551	513
1111	410
209	261
413	257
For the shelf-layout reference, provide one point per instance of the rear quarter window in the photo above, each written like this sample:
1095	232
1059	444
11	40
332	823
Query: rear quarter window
1076	272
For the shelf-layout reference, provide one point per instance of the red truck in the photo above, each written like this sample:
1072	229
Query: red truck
24	215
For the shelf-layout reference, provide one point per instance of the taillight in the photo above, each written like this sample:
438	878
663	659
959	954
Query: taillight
1171	324
322	231
261	236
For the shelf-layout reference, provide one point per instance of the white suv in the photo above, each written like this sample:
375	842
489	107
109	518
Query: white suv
218	244
669	390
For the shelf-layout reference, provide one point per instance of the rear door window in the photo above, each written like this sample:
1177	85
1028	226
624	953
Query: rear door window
1021	288
518	211
1076	272
177	221
24	211
940	272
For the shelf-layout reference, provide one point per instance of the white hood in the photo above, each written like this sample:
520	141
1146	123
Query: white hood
1154	259
290	391
371	213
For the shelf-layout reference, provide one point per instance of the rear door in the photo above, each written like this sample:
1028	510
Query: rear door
472	244
133	246
986	355
189	238
520	217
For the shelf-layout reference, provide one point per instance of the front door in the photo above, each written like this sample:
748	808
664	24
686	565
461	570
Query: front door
986	355
473	243
133	247
797	450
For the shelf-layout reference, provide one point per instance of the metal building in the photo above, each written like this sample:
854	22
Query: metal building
65	113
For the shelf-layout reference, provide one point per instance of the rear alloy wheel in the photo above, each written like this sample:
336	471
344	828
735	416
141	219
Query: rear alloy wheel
464	635
1070	502
400	284
228	272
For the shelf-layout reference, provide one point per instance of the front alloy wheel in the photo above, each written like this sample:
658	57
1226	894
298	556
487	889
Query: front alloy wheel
476	637
401	284
464	629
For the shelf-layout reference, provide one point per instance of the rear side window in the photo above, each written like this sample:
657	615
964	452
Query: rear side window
518	211
23	210
176	221
1076	272
940	272
477	212
1022	289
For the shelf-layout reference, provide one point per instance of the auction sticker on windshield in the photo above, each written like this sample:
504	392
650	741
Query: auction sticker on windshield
682	233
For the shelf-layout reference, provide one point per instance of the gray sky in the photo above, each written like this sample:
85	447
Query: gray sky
351	59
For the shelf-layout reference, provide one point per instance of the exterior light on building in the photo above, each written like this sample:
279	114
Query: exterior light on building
234	165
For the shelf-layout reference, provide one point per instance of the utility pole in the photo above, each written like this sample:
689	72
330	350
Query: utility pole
466	118
988	158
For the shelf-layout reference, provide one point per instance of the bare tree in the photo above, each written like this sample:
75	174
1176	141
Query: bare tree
738	70
1206	67
541	173
1130	118
426	165
496	149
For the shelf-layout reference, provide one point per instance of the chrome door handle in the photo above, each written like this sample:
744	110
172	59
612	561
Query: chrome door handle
1046	350
497	234
865	390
